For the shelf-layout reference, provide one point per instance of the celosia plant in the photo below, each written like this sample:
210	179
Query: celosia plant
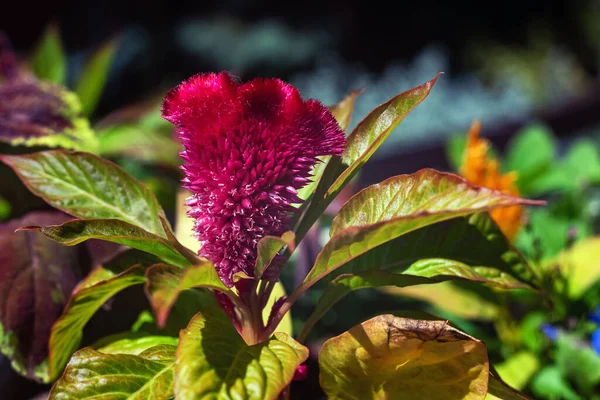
262	165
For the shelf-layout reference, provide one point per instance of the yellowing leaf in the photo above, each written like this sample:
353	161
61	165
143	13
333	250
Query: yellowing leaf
581	265
388	357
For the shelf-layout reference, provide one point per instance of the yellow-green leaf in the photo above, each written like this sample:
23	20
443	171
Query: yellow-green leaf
388	357
87	186
92	374
214	362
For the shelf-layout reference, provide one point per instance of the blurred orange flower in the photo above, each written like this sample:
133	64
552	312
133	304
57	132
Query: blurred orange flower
482	169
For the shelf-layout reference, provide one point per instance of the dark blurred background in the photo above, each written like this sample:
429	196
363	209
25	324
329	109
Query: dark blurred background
509	64
506	63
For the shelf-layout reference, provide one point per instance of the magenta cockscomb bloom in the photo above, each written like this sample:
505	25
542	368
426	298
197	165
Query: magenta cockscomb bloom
248	149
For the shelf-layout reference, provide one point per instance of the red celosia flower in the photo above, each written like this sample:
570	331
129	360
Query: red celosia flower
248	149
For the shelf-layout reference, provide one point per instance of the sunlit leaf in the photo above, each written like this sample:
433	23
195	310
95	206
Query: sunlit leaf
398	206
388	357
549	384
91	82
285	325
92	374
34	113
132	343
580	264
213	361
518	369
362	142
88	186
49	62
113	230
36	279
166	282
87	298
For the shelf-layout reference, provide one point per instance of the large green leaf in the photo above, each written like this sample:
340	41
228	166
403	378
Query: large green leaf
388	357
397	206
113	230
518	369
36	280
91	82
578	363
34	113
213	361
550	384
165	283
49	62
87	298
92	374
88	186
364	140
530	154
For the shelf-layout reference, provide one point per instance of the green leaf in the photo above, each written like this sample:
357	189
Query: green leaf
36	280
92	374
578	363
213	361
549	384
397	206
42	114
455	150
113	230
267	249
342	113
91	82
498	390
132	343
426	271
136	142
388	357
49	62
364	140
88	186
581	265
165	283
518	369
530	154
86	299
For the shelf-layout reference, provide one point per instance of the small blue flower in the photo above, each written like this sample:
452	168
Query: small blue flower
550	331
596	341
595	316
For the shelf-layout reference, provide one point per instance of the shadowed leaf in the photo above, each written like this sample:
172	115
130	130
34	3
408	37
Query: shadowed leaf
87	186
87	298
165	283
36	279
113	230
49	63
91	374
91	82
388	357
267	249
213	361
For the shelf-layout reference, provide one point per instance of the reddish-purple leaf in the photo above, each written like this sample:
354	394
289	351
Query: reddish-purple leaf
36	279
